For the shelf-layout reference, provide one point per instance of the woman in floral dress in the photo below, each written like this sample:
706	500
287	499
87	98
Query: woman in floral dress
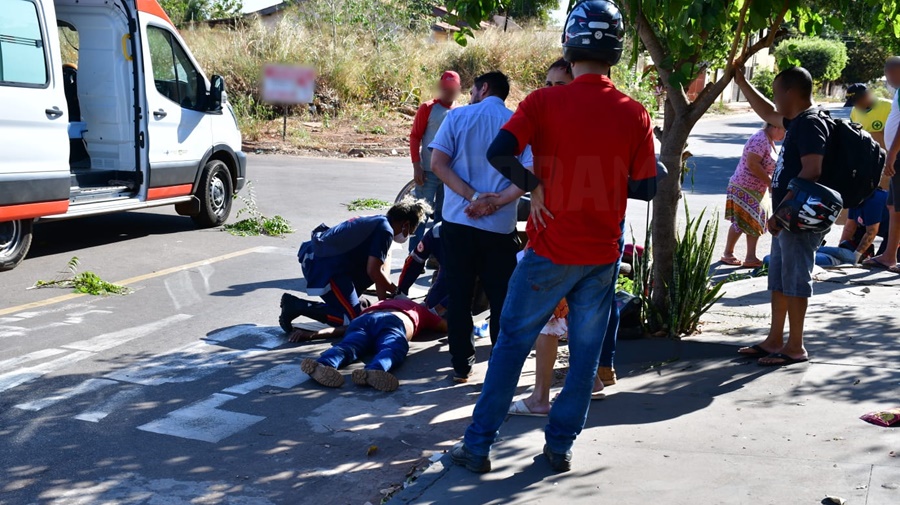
748	203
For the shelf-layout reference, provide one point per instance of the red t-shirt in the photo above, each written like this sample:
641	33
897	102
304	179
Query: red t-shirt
422	318
588	140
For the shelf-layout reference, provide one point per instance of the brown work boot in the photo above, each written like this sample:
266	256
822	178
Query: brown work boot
323	374
378	379
607	375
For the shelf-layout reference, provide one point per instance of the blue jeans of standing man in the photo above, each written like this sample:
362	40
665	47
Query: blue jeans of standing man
379	333
534	290
432	192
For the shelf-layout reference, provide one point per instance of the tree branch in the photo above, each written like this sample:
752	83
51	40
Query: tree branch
711	91
658	53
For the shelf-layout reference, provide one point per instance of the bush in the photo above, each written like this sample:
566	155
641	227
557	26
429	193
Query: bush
825	59
762	80
866	61
690	292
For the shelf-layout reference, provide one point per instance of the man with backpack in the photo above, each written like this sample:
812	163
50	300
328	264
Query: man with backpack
793	254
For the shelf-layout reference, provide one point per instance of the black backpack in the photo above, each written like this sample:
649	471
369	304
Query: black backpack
854	161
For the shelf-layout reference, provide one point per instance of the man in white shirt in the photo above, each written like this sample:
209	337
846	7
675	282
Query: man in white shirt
888	259
479	212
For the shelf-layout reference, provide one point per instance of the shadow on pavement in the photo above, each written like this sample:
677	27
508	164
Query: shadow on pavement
56	237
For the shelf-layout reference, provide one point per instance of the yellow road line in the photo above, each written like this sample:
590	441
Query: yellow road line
130	280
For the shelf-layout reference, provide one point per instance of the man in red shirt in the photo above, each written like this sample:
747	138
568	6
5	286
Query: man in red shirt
384	329
593	148
428	121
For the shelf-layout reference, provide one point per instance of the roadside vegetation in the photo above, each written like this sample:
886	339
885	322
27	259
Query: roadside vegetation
373	72
86	282
256	223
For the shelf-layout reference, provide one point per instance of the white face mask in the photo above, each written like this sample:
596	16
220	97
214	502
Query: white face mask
401	238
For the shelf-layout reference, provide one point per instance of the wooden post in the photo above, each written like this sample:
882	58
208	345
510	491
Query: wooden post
284	124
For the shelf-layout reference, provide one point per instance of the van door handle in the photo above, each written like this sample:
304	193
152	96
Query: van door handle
53	112
159	114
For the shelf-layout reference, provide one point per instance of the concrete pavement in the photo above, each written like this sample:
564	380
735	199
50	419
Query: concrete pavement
186	391
692	423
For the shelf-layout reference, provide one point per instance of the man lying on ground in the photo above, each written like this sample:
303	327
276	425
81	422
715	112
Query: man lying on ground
864	223
384	329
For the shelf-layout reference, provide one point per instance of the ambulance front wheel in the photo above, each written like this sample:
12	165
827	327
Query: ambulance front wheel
216	193
15	241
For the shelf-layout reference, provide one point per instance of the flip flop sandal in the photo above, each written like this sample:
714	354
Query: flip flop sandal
758	352
519	408
755	264
730	261
785	360
874	263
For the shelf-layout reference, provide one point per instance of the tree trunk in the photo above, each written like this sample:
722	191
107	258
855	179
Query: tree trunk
666	203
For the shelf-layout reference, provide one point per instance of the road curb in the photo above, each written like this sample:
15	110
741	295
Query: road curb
423	483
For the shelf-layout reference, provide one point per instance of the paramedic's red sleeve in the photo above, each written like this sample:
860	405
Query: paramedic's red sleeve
643	162
420	123
522	123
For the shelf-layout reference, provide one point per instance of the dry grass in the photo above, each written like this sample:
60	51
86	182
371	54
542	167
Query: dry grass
359	84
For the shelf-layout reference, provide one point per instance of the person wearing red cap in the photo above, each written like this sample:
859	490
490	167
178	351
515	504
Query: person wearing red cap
428	120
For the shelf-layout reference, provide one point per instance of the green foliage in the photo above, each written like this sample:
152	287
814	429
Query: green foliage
639	87
762	80
531	10
762	271
866	56
87	283
690	292
189	11
367	204
625	284
825	59
256	223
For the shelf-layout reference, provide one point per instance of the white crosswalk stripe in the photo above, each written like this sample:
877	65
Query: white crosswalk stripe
87	386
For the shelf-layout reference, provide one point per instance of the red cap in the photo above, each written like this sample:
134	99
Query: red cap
450	80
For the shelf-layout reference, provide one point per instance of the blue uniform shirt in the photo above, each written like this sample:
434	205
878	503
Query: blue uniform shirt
345	249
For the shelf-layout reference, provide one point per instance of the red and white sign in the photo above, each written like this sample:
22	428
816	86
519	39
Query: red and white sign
287	84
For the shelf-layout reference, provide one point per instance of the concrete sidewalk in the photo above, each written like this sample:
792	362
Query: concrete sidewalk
691	423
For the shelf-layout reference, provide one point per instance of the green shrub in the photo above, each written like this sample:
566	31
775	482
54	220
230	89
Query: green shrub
762	79
690	292
865	61
825	59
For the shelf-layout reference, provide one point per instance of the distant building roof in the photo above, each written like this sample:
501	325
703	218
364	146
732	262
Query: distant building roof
254	6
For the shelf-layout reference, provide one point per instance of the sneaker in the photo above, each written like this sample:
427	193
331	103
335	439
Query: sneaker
461	456
607	375
323	374
378	379
462	378
291	307
558	462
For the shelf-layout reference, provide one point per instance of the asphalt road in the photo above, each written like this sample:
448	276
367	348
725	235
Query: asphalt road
185	391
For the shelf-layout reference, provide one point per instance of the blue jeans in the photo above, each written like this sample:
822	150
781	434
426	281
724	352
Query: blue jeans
433	193
534	290
791	262
379	333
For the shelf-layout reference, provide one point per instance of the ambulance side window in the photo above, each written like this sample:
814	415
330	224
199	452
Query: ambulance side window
23	61
174	75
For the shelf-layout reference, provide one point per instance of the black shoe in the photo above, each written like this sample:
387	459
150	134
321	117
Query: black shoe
291	306
462	378
558	462
462	457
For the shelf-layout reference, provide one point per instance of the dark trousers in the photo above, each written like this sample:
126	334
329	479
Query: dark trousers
471	253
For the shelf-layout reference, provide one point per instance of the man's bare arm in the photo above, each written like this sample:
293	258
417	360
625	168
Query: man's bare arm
760	104
440	165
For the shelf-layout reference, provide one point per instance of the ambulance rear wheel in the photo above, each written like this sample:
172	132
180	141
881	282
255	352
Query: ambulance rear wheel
216	193
15	241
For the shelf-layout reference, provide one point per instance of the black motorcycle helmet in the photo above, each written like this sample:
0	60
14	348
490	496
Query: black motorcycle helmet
594	32
813	208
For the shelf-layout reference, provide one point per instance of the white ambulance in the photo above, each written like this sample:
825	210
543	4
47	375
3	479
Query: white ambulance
103	109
